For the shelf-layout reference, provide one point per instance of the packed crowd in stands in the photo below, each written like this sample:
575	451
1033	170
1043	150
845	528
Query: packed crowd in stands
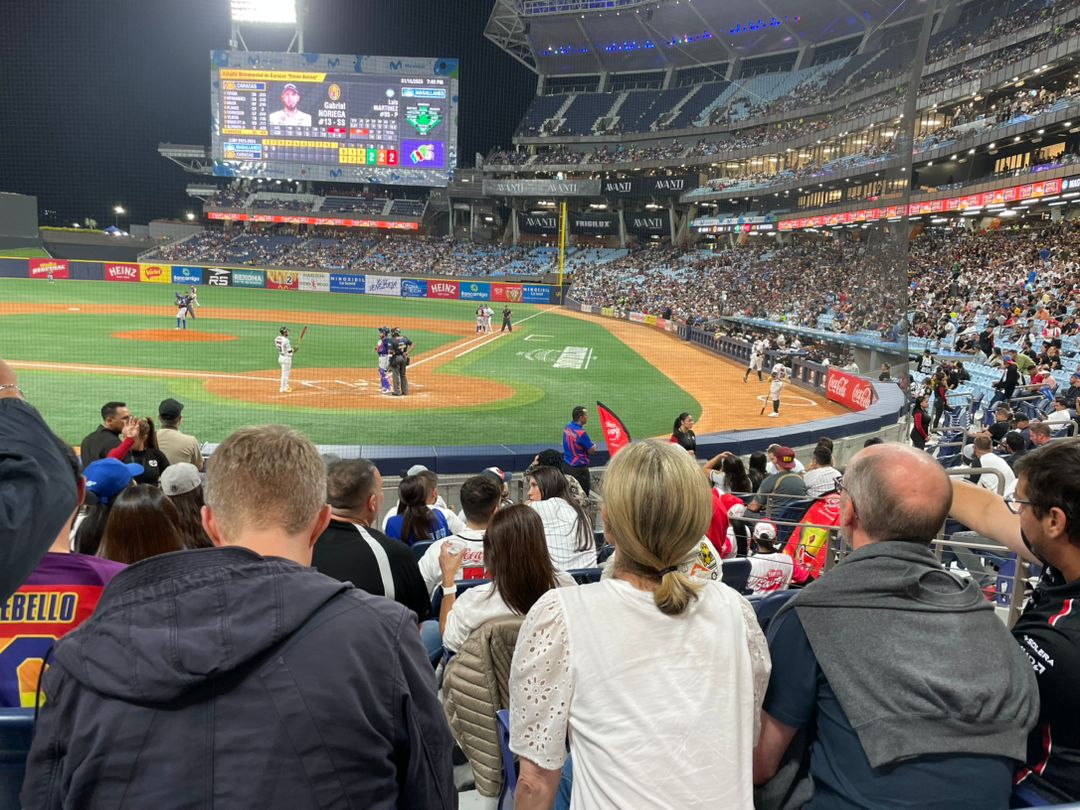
1030	13
257	586
330	249
846	286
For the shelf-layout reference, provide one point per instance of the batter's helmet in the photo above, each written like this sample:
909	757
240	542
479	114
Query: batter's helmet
383	330
283	330
395	331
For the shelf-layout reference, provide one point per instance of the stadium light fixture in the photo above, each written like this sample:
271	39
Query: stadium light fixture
118	210
189	216
265	12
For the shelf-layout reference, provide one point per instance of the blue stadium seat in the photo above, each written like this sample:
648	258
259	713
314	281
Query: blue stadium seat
583	576
16	732
509	767
418	549
736	573
767	606
462	586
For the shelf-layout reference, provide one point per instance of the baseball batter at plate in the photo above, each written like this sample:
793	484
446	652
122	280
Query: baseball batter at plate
776	385
382	349
285	354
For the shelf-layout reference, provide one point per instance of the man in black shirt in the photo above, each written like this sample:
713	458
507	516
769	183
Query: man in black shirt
1041	522
107	437
507	312
350	550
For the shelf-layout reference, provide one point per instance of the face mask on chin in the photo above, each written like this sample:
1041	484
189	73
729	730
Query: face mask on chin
1031	548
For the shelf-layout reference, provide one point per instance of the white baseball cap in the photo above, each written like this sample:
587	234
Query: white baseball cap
765	530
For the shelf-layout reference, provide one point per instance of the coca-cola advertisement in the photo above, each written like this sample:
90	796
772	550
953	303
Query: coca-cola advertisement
856	393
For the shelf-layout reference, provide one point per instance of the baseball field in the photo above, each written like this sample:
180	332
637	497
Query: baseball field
78	344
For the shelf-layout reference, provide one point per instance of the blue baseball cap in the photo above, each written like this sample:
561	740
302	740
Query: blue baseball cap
108	477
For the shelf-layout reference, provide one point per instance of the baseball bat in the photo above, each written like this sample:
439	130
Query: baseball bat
300	339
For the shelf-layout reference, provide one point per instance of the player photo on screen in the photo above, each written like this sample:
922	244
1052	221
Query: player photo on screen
290	113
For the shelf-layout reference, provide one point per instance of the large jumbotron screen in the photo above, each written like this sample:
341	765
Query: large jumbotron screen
360	119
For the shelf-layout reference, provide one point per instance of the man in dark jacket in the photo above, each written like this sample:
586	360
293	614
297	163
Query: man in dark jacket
106	437
37	493
351	550
238	676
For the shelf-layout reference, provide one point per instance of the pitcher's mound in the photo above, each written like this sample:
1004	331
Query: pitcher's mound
173	336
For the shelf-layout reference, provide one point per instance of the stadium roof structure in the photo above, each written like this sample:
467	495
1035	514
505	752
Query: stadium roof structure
555	37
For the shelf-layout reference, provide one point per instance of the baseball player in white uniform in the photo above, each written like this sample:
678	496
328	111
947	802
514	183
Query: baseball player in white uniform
757	358
488	312
776	385
285	353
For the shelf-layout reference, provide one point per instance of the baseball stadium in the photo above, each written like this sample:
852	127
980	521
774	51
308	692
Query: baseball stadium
540	403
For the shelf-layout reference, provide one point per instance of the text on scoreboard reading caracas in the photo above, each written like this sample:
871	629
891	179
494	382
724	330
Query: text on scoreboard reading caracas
337	120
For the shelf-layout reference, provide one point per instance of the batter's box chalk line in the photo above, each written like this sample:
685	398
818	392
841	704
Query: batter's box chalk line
794	400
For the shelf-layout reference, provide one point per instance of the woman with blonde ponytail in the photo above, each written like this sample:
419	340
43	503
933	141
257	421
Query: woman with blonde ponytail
654	677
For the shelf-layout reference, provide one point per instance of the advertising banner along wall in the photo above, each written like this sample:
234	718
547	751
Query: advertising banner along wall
443	289
314	282
649	186
507	293
383	285
594	223
535	294
155	273
853	392
475	291
121	272
249	278
282	279
414	288
186	275
345	283
49	268
216	277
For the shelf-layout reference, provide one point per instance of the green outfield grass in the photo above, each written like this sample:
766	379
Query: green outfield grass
543	395
24	253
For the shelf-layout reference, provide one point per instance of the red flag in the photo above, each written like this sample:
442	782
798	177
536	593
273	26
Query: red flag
615	433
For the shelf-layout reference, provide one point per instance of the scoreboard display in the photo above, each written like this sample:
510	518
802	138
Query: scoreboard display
363	119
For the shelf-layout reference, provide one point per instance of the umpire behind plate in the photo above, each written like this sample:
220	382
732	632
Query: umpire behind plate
400	346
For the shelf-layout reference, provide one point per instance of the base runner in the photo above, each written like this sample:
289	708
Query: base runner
285	352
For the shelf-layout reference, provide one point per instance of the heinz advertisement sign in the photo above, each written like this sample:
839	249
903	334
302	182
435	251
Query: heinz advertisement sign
121	272
443	289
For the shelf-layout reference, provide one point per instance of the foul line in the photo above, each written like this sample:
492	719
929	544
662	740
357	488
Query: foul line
136	372
479	345
474	340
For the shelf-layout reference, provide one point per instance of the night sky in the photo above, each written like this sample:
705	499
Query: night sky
92	86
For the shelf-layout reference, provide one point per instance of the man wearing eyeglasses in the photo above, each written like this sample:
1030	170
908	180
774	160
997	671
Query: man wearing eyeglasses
882	662
1040	521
